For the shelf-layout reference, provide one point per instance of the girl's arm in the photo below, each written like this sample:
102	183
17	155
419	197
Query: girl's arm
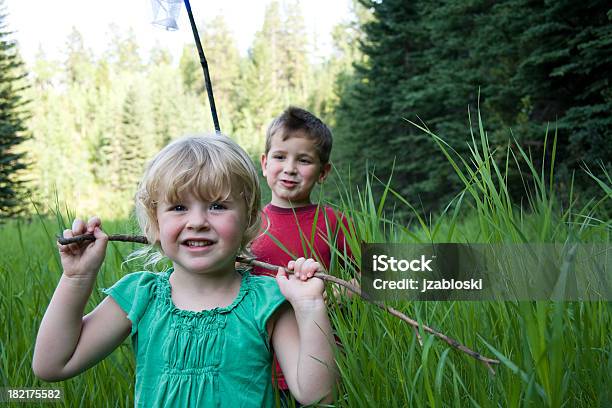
302	338
68	343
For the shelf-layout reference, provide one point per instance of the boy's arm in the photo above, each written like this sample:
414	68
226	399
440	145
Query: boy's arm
303	340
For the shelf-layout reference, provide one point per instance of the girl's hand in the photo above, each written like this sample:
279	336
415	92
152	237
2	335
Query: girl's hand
83	260
299	285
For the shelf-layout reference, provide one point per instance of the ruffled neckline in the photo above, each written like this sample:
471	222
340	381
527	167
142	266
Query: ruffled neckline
165	293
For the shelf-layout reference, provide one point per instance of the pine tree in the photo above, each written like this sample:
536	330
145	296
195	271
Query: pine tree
443	81
536	63
123	50
370	115
165	96
335	73
224	65
78	62
293	47
188	68
132	142
13	115
274	75
565	74
223	61
261	88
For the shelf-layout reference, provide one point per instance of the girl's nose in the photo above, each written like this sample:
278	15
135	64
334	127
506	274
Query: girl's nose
198	220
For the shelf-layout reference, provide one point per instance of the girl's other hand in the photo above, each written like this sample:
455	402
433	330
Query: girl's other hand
299	285
83	259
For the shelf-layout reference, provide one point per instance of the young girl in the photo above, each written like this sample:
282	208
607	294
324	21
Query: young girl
202	331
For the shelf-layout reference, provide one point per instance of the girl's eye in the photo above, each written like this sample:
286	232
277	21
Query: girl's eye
179	207
217	206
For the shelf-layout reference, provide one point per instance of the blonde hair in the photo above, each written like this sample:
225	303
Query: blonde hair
209	166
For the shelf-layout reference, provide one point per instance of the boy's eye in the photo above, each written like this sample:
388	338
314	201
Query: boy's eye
278	156
305	161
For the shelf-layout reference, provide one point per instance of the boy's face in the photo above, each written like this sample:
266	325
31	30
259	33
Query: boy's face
292	168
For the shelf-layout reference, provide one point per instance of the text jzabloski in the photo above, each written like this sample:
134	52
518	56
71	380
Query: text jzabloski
384	263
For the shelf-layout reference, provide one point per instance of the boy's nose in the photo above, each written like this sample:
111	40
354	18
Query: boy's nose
289	167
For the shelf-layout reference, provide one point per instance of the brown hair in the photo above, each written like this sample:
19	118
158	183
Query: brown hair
294	119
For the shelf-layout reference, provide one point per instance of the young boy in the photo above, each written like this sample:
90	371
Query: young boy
298	146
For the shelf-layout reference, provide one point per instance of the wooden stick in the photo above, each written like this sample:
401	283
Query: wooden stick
322	275
326	277
139	239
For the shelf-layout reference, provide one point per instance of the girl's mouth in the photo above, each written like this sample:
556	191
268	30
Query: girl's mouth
197	244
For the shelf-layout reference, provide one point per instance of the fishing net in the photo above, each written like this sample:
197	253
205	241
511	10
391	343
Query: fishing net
165	13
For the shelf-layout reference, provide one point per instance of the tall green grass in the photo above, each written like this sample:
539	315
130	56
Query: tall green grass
29	271
552	354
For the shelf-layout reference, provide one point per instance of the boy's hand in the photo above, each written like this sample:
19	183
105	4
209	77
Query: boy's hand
299	286
83	260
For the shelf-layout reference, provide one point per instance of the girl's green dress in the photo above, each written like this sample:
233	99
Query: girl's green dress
217	357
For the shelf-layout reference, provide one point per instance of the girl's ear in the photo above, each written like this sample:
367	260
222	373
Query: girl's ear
325	170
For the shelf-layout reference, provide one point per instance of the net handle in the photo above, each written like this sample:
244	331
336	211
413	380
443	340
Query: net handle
204	63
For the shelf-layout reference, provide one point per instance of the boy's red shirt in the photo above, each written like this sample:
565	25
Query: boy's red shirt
293	228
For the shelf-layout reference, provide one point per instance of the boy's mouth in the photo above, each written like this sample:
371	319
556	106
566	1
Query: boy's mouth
289	183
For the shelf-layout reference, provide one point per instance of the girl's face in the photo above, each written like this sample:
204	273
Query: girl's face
200	236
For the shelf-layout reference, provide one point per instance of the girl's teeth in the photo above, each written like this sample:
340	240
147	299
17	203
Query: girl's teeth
197	243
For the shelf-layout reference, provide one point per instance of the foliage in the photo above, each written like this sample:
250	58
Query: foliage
224	64
96	120
541	345
13	116
532	64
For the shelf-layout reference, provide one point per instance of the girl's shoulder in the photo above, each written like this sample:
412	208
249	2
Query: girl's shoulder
134	291
137	280
264	296
262	285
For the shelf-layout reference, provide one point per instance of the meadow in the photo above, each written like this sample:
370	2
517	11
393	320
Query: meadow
552	354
